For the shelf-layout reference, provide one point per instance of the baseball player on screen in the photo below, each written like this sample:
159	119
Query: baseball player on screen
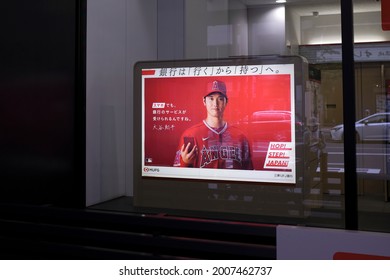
213	143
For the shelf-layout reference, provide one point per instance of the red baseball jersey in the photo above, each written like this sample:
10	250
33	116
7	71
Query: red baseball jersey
226	148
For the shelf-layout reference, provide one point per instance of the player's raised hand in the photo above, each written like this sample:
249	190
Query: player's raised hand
188	156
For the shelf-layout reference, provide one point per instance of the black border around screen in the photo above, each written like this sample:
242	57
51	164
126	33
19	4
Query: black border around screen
200	195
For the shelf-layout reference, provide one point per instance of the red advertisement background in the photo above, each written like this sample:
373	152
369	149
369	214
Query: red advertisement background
385	14
246	95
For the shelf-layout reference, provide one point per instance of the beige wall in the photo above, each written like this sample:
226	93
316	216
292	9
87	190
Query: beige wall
331	90
369	77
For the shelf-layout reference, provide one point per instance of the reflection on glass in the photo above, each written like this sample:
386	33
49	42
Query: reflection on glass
372	95
213	29
311	29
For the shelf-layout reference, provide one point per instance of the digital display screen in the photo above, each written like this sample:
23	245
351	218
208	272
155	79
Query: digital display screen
218	122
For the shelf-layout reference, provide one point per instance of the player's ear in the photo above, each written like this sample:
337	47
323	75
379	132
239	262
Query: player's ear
204	101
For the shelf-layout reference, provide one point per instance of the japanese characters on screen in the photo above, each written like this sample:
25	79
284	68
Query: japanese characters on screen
230	123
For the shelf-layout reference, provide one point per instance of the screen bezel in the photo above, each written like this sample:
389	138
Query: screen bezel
170	192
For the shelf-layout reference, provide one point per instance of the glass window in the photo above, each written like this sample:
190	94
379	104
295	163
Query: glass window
372	76
221	29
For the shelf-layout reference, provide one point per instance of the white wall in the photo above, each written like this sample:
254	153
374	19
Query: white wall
321	30
326	29
170	29
293	30
215	28
206	22
267	30
238	19
119	33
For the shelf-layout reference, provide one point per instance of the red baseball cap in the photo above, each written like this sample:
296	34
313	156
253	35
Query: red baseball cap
216	87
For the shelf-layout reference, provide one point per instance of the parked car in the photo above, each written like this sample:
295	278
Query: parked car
262	127
372	128
272	125
267	126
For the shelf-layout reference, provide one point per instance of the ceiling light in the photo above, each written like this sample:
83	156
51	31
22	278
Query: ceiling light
280	1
